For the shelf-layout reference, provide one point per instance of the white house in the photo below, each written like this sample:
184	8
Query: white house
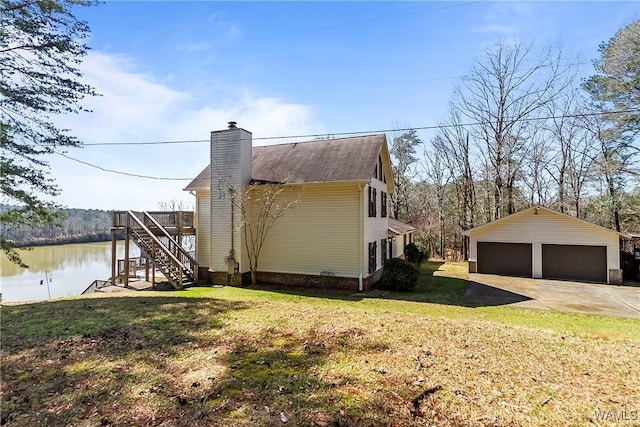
542	243
336	235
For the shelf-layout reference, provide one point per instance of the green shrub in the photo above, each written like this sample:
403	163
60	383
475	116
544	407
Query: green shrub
416	253
399	275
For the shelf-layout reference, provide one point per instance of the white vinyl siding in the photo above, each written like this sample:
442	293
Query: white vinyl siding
320	234
203	225
546	227
375	228
398	245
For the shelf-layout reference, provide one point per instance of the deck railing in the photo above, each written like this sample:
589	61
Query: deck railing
186	260
135	264
167	219
158	234
161	255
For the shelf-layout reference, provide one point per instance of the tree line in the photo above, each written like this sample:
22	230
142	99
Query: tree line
72	226
522	130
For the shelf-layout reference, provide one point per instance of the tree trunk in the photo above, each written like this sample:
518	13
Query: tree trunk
497	198
442	233
561	190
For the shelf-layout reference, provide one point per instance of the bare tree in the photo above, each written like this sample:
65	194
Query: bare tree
502	95
570	148
436	173
534	177
261	206
188	242
579	172
255	208
452	144
175	205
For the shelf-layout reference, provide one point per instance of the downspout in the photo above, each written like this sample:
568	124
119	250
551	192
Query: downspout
361	239
195	206
232	224
231	262
196	224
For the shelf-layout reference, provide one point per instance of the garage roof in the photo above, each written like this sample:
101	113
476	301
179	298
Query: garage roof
536	209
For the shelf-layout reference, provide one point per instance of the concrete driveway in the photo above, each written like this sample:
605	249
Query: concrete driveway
489	289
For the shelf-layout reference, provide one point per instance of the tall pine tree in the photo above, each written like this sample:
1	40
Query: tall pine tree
41	47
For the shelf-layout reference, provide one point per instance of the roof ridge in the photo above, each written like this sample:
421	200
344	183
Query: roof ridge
320	140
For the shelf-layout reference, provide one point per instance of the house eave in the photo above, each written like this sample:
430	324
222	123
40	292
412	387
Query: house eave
196	189
263	182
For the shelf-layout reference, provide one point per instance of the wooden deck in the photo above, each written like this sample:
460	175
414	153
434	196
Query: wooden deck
176	223
159	235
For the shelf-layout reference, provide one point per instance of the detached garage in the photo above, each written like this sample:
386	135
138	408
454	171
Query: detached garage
541	243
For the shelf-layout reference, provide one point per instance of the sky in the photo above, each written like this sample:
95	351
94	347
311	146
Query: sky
177	70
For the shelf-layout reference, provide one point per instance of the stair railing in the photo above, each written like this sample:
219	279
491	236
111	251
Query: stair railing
157	244
186	260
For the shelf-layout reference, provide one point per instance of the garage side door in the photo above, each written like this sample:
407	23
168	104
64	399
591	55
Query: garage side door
506	259
574	262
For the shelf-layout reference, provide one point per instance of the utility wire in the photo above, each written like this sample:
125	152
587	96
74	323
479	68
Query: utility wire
366	21
160	178
320	135
135	175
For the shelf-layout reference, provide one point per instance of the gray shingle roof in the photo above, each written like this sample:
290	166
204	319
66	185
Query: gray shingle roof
330	160
398	227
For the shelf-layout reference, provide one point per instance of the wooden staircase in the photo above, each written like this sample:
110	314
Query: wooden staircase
159	246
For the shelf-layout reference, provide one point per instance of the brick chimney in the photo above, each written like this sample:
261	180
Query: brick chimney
230	172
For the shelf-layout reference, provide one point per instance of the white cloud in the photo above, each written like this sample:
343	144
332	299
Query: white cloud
134	107
130	106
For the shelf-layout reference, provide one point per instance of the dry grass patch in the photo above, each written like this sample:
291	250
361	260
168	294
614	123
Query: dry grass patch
206	362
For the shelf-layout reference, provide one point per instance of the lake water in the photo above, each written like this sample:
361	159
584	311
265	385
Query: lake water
70	269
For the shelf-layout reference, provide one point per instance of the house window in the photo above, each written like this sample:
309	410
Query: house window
372	202
383	251
383	204
378	171
372	257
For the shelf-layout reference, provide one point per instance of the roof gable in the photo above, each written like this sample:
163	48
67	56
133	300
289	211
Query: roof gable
524	214
330	160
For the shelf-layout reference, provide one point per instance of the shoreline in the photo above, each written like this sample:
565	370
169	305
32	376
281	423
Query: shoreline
84	238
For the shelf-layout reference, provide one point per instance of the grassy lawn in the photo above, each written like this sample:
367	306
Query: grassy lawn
264	357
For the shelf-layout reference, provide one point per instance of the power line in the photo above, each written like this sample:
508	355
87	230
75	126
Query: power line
135	175
364	132
187	141
366	21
